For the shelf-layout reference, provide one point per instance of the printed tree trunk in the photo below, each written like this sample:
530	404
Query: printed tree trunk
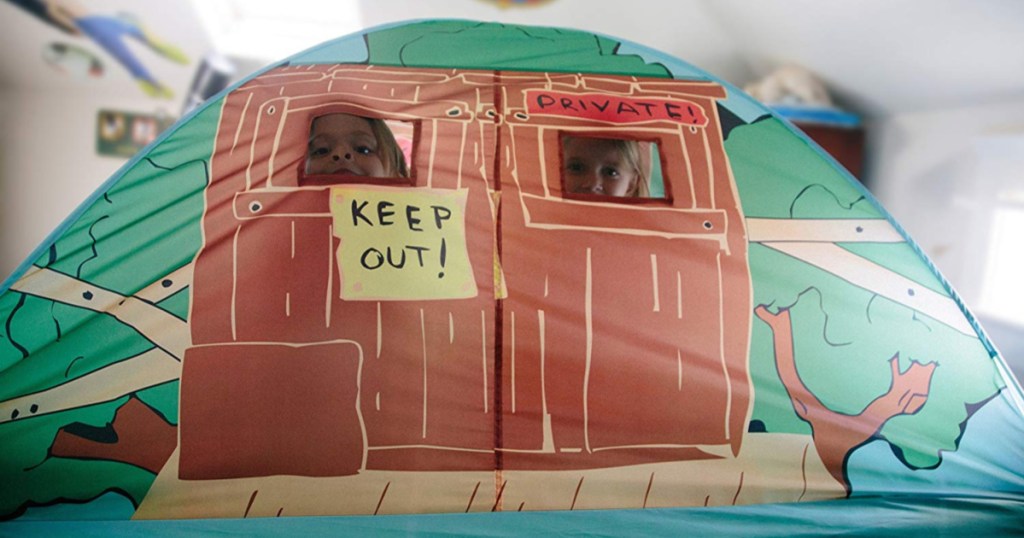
138	435
836	434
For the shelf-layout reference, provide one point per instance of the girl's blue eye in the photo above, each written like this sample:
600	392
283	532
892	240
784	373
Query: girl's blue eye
319	152
611	172
364	150
574	168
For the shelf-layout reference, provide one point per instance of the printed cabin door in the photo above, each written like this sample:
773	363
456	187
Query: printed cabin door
625	327
428	385
415	365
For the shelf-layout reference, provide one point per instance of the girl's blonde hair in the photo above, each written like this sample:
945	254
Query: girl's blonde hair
390	154
638	156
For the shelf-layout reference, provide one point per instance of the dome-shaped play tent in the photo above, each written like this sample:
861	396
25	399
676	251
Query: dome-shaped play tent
228	332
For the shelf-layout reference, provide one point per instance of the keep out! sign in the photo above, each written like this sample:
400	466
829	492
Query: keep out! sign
400	243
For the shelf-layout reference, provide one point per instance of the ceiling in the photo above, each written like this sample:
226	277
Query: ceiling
879	57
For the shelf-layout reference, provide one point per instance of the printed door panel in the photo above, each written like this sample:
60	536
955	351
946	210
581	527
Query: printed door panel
418	378
620	306
436	357
282	292
613	349
657	374
424	381
427	384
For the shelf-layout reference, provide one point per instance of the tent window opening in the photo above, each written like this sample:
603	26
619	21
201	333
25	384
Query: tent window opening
610	169
347	148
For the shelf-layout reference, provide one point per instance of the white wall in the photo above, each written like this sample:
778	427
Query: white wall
48	162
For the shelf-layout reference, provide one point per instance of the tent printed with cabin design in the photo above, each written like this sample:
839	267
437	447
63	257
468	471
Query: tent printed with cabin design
224	335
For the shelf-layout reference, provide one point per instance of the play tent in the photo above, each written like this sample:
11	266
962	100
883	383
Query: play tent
225	338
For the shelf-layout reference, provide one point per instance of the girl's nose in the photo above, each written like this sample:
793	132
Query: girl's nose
337	156
593	185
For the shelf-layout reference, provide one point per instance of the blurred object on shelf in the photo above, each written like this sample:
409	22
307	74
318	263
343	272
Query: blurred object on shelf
790	85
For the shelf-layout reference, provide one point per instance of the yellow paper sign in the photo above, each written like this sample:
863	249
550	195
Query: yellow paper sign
401	243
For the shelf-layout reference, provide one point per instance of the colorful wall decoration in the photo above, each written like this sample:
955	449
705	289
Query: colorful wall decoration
122	133
112	34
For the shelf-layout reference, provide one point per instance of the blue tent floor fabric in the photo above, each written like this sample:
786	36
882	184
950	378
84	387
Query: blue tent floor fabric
875	516
221	340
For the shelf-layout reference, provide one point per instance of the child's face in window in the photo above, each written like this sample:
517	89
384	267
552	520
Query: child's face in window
597	166
343	144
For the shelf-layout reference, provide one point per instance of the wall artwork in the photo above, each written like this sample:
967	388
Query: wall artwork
122	134
111	33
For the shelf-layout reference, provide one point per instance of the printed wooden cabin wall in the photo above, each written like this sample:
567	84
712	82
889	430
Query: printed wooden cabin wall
472	316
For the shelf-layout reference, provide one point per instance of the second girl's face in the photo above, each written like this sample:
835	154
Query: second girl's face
343	144
597	166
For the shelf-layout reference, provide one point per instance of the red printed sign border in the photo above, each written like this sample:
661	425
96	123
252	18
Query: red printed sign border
614	108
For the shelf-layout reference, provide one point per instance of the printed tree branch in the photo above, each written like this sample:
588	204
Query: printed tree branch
152	322
154	367
836	434
822	230
137	436
147	369
880	280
